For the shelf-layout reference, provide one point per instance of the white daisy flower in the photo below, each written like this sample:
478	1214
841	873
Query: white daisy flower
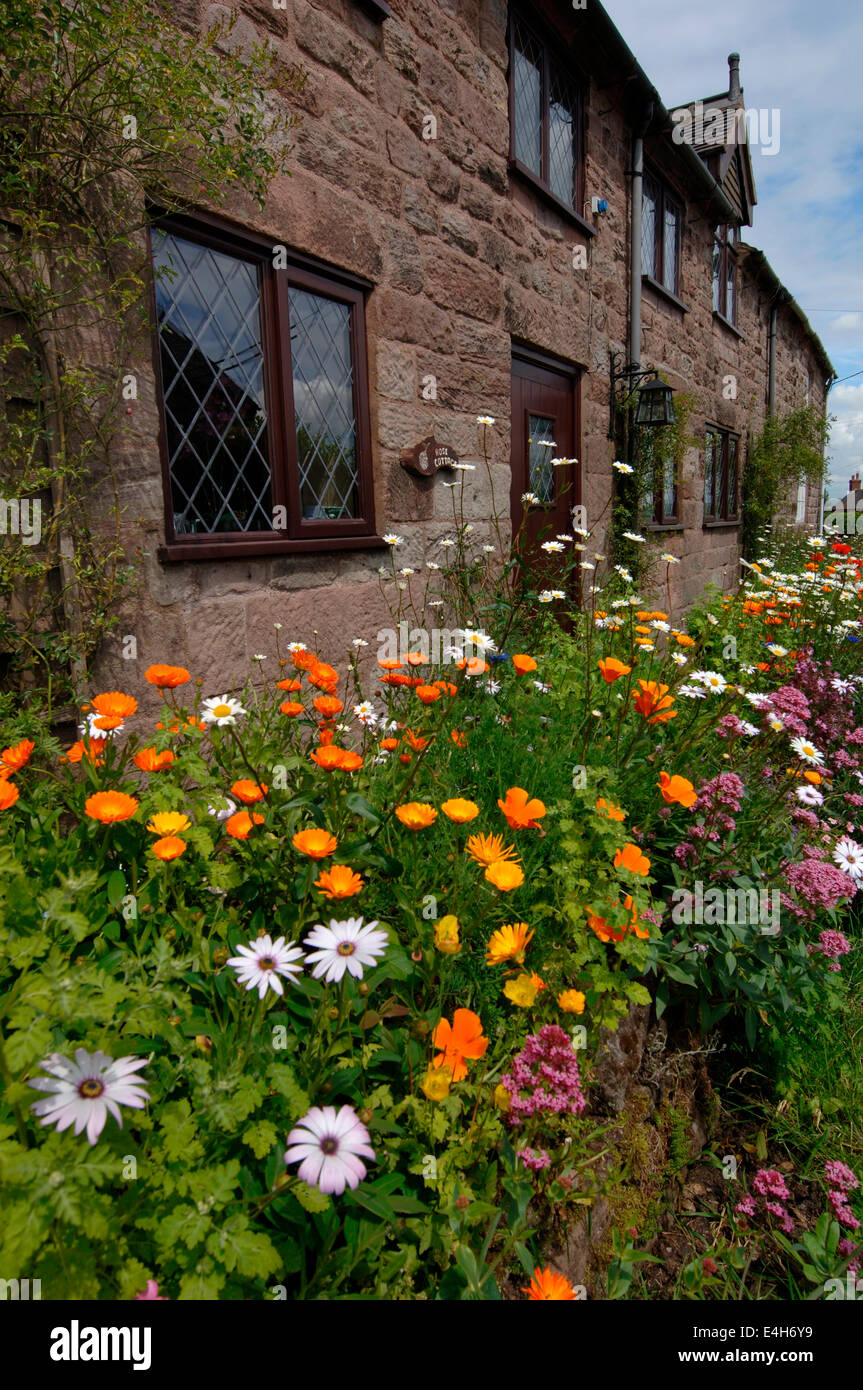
329	1146
669	558
678	658
710	618
542	687
259	657
841	686
407	571
631	536
530	499
660	625
712	680
365	712
485	419
807	751
849	856
277	626
692	692
85	1091
478	639
810	796
564	537
492	687
586	565
446	543
558	593
622	467
297	647
345	946
776	650
430	565
545	596
359	642
750	730
222	808
393	539
551	547
221	710
259	965
775	724
624	573
489	549
757	699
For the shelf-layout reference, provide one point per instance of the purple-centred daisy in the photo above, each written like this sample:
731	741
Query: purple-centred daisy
345	946
849	856
329	1146
810	796
85	1091
260	964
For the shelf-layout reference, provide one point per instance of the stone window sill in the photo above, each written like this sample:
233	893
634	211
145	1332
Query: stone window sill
667	526
665	294
378	9
181	551
726	323
721	525
569	214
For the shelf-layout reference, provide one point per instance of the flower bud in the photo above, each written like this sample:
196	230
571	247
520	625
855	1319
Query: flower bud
220	955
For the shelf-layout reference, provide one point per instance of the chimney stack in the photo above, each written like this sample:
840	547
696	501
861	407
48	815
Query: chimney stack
854	485
734	76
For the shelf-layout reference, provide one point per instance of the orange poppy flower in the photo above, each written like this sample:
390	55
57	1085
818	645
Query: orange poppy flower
317	844
505	875
289	683
149	760
676	789
167	677
611	669
416	815
110	806
114	705
339	882
611	809
459	739
414	741
459	810
601	928
13	758
654	702
427	693
8	794
523	664
488	849
291	708
631	858
169	847
463	1038
240	823
521	810
446	686
549	1286
247	791
328	705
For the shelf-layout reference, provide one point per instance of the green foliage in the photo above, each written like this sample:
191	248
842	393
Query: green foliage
788	450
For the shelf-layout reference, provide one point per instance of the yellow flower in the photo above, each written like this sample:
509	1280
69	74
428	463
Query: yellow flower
437	1083
571	1001
169	823
502	1098
505	875
460	810
446	935
522	990
508	943
488	849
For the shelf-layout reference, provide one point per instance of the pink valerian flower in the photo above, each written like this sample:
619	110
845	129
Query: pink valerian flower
818	886
841	1210
544	1078
770	1190
838	1174
746	1206
832	944
770	1183
726	791
792	707
729	726
535	1159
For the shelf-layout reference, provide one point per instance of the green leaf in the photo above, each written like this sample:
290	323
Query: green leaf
309	1198
116	887
260	1137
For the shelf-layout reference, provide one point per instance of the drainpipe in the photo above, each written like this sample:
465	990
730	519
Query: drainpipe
771	354
635	240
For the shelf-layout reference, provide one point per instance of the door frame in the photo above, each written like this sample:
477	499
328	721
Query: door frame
560	366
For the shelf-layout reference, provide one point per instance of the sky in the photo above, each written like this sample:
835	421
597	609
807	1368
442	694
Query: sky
804	60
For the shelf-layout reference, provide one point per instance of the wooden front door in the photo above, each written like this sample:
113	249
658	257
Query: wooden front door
545	426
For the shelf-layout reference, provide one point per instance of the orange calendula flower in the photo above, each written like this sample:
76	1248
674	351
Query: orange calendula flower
505	875
508	943
611	669
249	792
654	702
459	1040
168	823
676	789
523	664
149	760
339	882
13	758
684	640
395	678
93	751
291	708
427	693
315	843
114	705
814	777
521	810
458	738
167	677
446	687
549	1286
631	857
389	744
446	935
414	741
168	847
8	794
330	758
289	683
459	810
610	809
390	664
325	677
240	823
328	705
571	1001
303	660
110	806
488	849
416	659
416	815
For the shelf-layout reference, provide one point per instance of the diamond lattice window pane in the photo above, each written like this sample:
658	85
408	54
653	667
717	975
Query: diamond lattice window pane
561	141
669	253
527	100
648	227
541	451
732	477
208	314
709	472
668	488
324	406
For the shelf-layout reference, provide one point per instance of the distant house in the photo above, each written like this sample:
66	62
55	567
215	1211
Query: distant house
486	202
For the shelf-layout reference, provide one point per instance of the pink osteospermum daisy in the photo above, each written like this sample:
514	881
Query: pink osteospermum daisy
87	1090
849	856
345	946
329	1146
260	964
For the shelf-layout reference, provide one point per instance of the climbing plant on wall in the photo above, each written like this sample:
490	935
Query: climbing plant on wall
787	451
647	451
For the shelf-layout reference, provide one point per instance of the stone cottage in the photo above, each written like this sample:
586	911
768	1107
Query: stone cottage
491	213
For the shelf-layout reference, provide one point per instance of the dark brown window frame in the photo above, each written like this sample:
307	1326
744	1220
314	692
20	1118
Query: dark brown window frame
666	196
725	236
723	516
319	278
660	518
578	83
